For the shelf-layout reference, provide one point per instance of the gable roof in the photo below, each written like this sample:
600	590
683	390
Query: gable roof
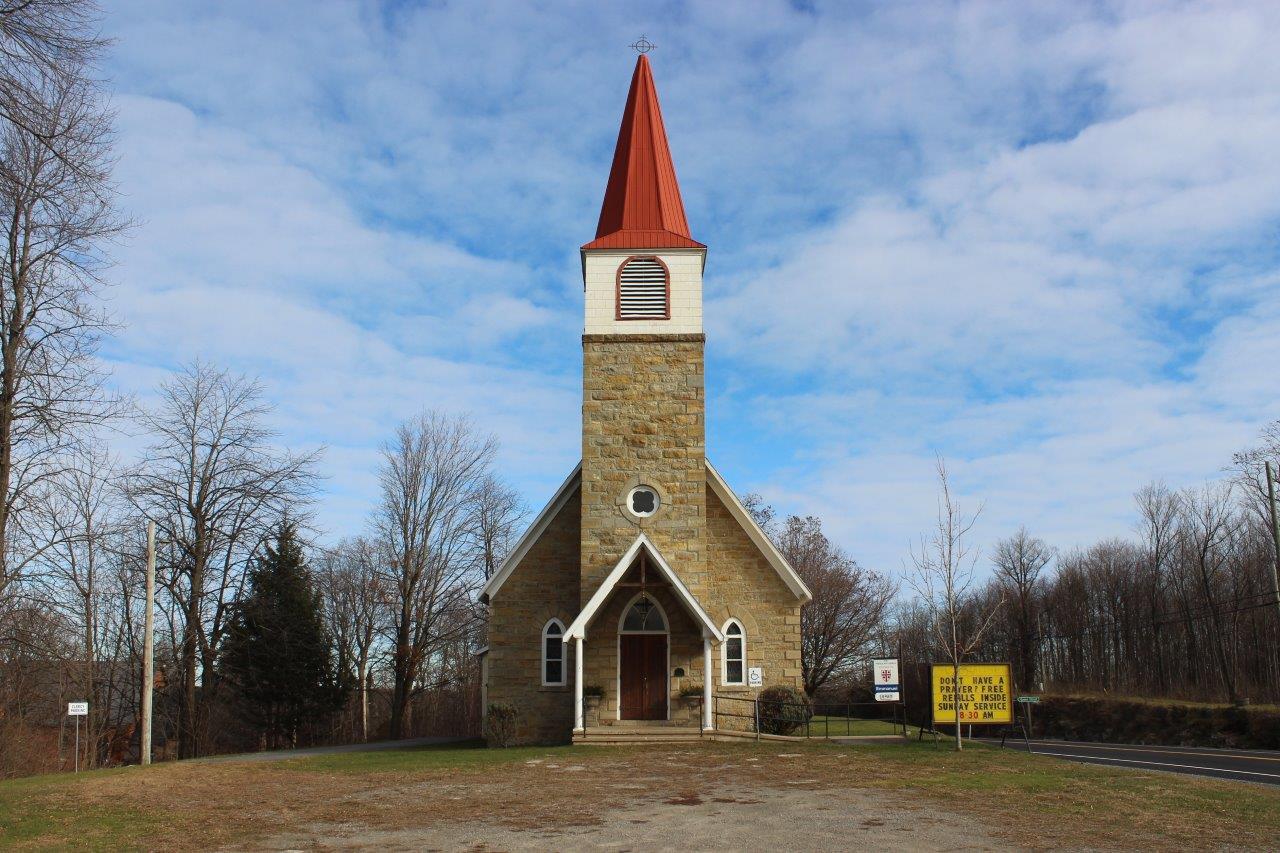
642	207
717	484
579	626
757	536
533	534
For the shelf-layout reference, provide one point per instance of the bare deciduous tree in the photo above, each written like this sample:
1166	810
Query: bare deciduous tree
354	599
1250	475
56	216
1208	530
215	486
1158	509
944	581
43	44
1018	562
431	473
82	520
847	612
497	518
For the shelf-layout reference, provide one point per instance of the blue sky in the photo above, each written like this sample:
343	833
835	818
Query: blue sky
1038	239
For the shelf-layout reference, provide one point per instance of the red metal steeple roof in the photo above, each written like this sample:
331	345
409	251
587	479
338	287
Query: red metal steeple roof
642	207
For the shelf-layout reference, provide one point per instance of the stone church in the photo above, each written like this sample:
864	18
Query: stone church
643	590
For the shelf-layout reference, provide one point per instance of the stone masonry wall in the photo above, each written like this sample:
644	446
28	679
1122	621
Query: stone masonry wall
543	586
643	421
740	584
743	585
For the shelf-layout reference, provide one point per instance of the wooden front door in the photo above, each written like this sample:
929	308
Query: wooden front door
643	676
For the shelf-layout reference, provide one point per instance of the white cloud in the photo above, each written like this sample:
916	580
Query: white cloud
1035	239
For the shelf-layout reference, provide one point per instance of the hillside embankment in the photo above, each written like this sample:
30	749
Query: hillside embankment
1157	721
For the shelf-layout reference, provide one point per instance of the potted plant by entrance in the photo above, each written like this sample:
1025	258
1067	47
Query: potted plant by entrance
592	696
690	701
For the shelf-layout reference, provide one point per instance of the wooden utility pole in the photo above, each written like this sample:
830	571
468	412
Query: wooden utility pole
148	644
1275	533
364	702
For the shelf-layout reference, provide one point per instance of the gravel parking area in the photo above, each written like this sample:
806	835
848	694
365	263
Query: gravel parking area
681	818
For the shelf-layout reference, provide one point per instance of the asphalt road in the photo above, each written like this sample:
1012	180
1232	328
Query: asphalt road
1242	765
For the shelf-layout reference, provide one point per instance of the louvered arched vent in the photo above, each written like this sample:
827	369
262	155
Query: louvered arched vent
642	290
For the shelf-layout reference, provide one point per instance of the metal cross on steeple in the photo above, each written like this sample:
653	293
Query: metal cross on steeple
642	45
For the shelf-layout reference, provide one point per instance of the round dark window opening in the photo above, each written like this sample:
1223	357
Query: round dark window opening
643	501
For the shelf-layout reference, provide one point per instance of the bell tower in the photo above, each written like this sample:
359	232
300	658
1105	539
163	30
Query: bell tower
643	403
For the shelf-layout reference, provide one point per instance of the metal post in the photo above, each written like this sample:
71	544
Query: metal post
1275	532
148	645
77	743
756	703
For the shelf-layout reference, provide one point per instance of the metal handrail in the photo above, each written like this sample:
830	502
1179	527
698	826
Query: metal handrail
896	713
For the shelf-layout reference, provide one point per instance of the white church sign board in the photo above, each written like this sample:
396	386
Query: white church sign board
77	709
884	675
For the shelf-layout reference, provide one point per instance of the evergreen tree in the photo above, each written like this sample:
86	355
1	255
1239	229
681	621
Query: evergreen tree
278	655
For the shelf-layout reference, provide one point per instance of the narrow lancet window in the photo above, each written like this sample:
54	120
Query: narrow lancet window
735	654
553	654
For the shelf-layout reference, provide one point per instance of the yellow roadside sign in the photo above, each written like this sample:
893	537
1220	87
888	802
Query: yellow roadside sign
986	693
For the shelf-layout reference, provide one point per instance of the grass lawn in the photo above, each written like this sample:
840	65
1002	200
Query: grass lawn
1014	799
823	725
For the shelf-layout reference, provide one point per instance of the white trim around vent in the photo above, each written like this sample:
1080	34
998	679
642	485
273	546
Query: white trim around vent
644	289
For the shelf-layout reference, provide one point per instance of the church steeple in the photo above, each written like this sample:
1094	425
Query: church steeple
642	207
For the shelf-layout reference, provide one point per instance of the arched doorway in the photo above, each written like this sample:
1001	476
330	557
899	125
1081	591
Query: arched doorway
642	660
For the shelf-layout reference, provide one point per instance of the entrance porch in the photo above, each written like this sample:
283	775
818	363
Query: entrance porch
642	645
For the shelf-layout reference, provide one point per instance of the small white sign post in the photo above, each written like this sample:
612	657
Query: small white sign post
884	675
77	710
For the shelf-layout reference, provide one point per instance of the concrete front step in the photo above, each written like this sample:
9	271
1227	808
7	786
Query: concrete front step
639	734
607	740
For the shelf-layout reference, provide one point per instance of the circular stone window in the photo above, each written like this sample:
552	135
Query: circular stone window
643	501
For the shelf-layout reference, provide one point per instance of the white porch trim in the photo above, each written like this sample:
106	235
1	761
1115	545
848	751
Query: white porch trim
579	720
707	723
578	629
744	519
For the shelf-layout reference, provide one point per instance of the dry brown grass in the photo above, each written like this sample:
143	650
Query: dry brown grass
1020	800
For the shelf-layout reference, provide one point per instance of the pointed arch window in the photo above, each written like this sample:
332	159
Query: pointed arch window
644	290
733	657
553	674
